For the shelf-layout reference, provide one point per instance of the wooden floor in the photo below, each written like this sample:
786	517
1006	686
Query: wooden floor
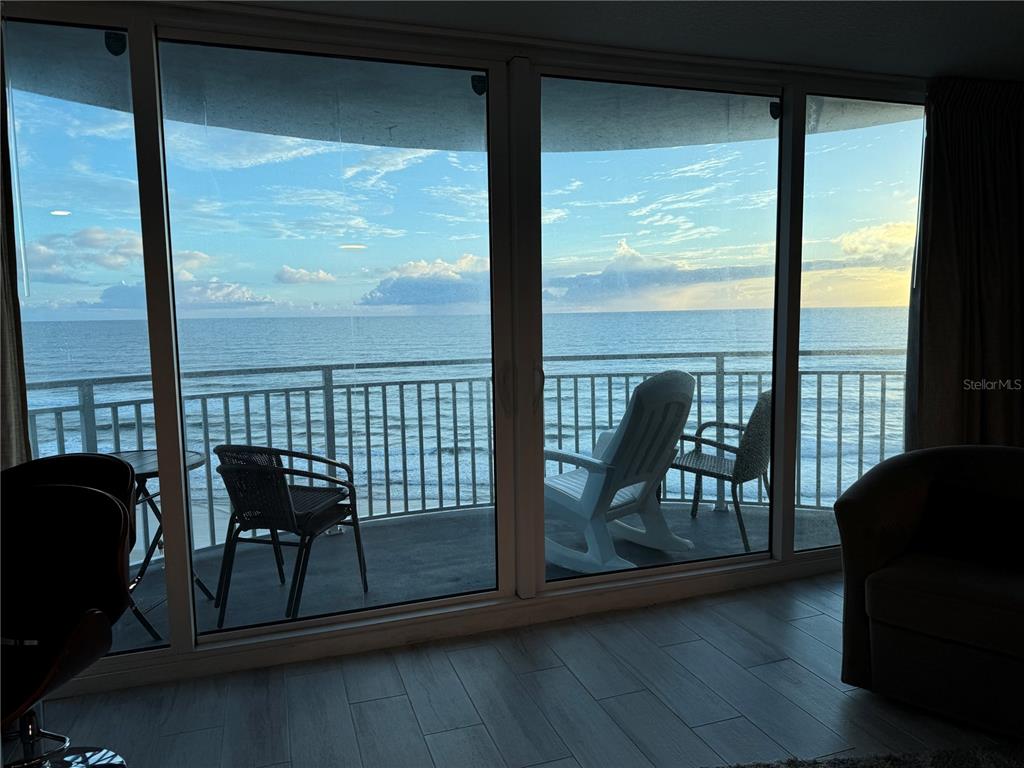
737	677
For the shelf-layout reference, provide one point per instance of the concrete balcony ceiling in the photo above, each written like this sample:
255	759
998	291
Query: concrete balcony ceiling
396	105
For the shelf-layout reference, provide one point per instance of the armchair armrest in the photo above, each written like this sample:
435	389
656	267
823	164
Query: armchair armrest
317	476
878	517
603	439
587	462
723	424
347	469
701	441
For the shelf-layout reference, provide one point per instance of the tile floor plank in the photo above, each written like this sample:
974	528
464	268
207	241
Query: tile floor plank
320	722
592	735
823	628
256	722
470	747
660	626
935	733
681	692
665	740
869	734
371	676
191	749
807	651
600	671
740	741
519	729
388	734
195	704
525	650
782	720
818	597
736	642
778	600
435	691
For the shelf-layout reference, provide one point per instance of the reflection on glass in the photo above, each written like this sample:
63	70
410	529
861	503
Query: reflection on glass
862	175
329	222
80	271
658	255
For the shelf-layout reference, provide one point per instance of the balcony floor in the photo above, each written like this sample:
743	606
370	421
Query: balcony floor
416	557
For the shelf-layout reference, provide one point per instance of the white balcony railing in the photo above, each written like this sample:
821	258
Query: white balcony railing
425	443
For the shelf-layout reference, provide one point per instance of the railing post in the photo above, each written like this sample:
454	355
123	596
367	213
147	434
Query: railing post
720	502
328	379
87	409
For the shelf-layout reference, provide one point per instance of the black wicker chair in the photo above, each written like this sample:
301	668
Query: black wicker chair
262	498
752	456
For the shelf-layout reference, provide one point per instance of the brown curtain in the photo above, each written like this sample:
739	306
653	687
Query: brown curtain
14	445
965	376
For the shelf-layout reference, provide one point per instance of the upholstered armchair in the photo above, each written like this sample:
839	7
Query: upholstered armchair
933	560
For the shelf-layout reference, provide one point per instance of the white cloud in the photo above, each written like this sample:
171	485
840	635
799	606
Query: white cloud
216	294
52	255
120	126
632	199
569	188
289	275
202	148
334	199
694	198
377	165
634	279
753	200
420	283
459	160
890	242
706	168
324	224
191	260
551	215
682	228
472	200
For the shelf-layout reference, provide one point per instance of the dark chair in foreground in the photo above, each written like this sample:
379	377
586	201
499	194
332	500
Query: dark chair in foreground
262	498
934	582
750	462
66	535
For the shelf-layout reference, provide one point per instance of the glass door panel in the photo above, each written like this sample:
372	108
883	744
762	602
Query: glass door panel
658	230
329	221
862	174
81	281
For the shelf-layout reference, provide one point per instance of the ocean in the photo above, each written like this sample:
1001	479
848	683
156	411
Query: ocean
419	435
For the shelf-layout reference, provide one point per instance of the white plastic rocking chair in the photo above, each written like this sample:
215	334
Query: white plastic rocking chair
621	478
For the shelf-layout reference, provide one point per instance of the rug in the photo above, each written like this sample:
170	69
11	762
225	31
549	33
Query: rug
994	757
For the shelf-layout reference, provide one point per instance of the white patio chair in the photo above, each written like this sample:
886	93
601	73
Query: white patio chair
621	478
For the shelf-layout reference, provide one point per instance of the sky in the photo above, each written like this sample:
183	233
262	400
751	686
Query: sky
265	225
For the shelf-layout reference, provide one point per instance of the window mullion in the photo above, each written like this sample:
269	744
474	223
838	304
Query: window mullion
787	319
162	337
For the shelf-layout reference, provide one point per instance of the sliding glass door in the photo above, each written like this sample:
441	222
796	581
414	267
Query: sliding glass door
862	176
658	263
353	255
329	224
81	280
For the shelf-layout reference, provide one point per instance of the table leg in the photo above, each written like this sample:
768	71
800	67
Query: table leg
157	535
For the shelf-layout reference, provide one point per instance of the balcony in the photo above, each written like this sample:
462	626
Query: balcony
421	448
